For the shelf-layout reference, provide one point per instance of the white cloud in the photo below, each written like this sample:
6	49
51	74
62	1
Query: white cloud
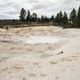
10	9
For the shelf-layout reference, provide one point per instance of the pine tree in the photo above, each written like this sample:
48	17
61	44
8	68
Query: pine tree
22	14
13	20
52	18
46	19
28	18
59	17
78	17
34	17
73	17
42	18
65	19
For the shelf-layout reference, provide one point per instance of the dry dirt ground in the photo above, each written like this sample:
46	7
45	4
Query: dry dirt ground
40	53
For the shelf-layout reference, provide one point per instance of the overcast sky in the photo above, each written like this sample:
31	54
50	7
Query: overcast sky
10	9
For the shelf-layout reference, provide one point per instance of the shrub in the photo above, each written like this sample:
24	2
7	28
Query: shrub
61	51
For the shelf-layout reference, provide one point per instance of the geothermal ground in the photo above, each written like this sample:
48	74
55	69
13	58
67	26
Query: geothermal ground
40	53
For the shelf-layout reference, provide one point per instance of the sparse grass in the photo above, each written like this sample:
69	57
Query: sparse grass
75	56
63	59
16	67
24	78
40	24
64	70
69	60
33	75
5	69
65	27
57	78
39	66
43	75
52	62
25	24
36	63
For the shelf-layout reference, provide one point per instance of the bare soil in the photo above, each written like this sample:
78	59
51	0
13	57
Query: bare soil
40	53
